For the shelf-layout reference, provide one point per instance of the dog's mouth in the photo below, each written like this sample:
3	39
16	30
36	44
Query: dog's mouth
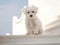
31	15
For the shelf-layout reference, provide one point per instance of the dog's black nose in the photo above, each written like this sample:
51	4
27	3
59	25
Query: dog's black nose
30	15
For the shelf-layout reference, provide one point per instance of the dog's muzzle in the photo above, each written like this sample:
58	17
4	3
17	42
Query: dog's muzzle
31	15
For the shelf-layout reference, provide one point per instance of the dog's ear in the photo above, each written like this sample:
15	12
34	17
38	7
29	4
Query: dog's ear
24	9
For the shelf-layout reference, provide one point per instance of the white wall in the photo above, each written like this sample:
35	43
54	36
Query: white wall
19	27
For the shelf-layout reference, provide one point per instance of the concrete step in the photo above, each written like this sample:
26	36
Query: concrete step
34	44
30	40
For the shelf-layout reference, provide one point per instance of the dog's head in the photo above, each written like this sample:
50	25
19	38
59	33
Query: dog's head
30	12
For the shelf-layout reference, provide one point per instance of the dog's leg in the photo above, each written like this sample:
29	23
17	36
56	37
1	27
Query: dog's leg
36	30
32	32
40	31
28	29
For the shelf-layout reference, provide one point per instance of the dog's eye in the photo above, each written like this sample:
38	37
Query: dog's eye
32	11
28	12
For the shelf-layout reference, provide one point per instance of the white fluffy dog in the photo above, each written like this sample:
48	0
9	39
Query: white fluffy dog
33	24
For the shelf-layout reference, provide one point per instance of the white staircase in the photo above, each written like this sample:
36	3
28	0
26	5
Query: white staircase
30	40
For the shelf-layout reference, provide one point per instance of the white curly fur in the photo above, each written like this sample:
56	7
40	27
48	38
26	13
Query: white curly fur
33	24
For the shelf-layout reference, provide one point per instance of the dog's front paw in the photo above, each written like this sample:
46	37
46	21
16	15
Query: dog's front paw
40	32
35	33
